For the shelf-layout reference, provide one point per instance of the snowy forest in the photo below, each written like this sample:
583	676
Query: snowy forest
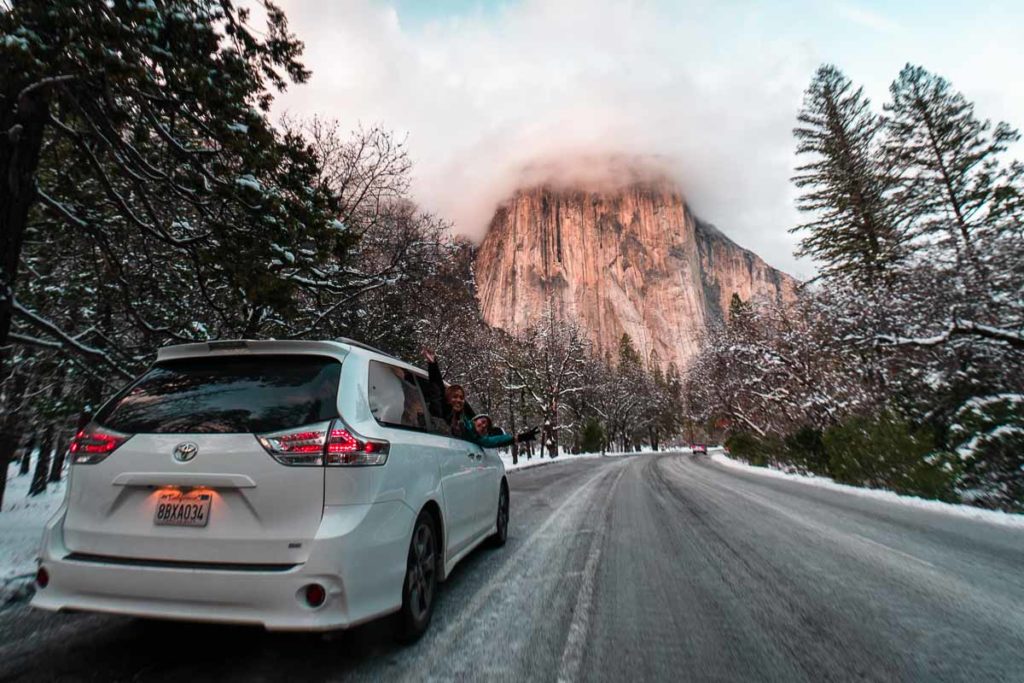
151	198
900	365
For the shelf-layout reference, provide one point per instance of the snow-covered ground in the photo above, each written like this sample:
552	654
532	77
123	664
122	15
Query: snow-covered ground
565	456
969	511
21	528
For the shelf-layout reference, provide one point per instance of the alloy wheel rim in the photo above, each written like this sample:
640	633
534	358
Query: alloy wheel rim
421	571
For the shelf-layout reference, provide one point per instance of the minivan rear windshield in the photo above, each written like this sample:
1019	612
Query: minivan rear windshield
227	394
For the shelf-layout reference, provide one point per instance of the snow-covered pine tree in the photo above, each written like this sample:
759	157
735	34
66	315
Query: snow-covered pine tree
136	143
948	163
964	203
853	231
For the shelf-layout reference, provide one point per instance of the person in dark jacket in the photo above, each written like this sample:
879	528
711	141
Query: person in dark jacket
449	402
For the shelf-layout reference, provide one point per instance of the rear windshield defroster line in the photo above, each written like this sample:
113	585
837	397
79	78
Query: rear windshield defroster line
227	395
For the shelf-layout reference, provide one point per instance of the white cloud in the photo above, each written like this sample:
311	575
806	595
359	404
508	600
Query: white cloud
876	21
711	89
482	96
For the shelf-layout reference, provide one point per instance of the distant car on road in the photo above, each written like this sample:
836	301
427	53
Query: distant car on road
299	485
699	448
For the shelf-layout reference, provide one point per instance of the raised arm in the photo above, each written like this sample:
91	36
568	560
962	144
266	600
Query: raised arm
435	386
495	441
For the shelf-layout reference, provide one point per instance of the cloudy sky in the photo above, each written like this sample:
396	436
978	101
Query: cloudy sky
481	89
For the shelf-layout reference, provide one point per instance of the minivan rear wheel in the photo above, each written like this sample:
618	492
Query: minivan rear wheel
500	534
420	586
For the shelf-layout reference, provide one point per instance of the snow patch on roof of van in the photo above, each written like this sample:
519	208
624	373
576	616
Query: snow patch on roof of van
232	347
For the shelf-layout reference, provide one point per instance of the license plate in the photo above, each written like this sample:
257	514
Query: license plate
177	509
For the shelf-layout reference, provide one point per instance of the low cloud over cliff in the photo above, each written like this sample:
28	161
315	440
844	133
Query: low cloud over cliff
487	92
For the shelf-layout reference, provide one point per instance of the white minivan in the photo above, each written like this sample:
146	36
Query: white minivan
300	485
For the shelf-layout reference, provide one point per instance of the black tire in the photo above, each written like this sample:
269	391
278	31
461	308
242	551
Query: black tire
419	590
500	535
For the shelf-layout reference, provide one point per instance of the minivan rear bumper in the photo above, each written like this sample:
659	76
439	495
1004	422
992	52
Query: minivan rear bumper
358	556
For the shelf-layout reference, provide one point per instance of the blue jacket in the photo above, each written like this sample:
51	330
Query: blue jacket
490	441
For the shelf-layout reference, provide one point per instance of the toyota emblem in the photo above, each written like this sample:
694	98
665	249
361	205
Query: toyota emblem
184	452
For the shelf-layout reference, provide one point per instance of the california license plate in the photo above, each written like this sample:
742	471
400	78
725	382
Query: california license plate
183	509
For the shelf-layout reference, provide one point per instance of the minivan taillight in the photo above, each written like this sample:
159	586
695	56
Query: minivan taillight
299	446
347	449
308	446
94	443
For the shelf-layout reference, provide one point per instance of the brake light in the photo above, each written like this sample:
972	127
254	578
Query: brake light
309	445
301	446
94	443
346	449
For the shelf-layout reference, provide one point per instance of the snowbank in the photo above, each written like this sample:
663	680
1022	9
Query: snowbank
539	460
563	457
21	529
968	511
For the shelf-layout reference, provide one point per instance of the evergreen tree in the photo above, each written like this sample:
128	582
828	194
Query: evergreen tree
592	438
628	355
740	311
135	148
853	231
948	160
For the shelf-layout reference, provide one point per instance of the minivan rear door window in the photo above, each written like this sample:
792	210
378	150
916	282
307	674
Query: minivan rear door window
395	399
227	394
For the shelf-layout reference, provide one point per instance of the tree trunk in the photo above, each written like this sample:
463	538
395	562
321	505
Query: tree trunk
42	464
551	440
26	456
512	423
21	138
59	455
5	462
10	430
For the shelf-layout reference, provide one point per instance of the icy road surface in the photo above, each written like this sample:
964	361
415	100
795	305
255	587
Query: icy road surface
664	567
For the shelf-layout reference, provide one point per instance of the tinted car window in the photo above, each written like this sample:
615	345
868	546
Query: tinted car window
227	394
395	398
436	421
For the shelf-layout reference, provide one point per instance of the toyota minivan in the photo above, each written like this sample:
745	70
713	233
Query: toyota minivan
299	485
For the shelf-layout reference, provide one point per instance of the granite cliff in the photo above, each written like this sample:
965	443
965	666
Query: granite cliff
630	259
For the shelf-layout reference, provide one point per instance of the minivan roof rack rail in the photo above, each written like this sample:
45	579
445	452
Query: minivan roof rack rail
353	342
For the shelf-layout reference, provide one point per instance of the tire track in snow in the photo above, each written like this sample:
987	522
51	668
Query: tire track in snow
563	518
572	654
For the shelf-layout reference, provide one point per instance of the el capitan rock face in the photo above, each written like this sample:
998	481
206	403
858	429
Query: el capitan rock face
632	260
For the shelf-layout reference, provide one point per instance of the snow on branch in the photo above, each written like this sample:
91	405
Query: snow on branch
958	328
66	340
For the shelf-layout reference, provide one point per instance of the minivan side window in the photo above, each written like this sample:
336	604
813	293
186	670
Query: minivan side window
395	398
438	424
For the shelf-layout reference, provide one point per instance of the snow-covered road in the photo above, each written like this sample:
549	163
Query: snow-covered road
655	567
